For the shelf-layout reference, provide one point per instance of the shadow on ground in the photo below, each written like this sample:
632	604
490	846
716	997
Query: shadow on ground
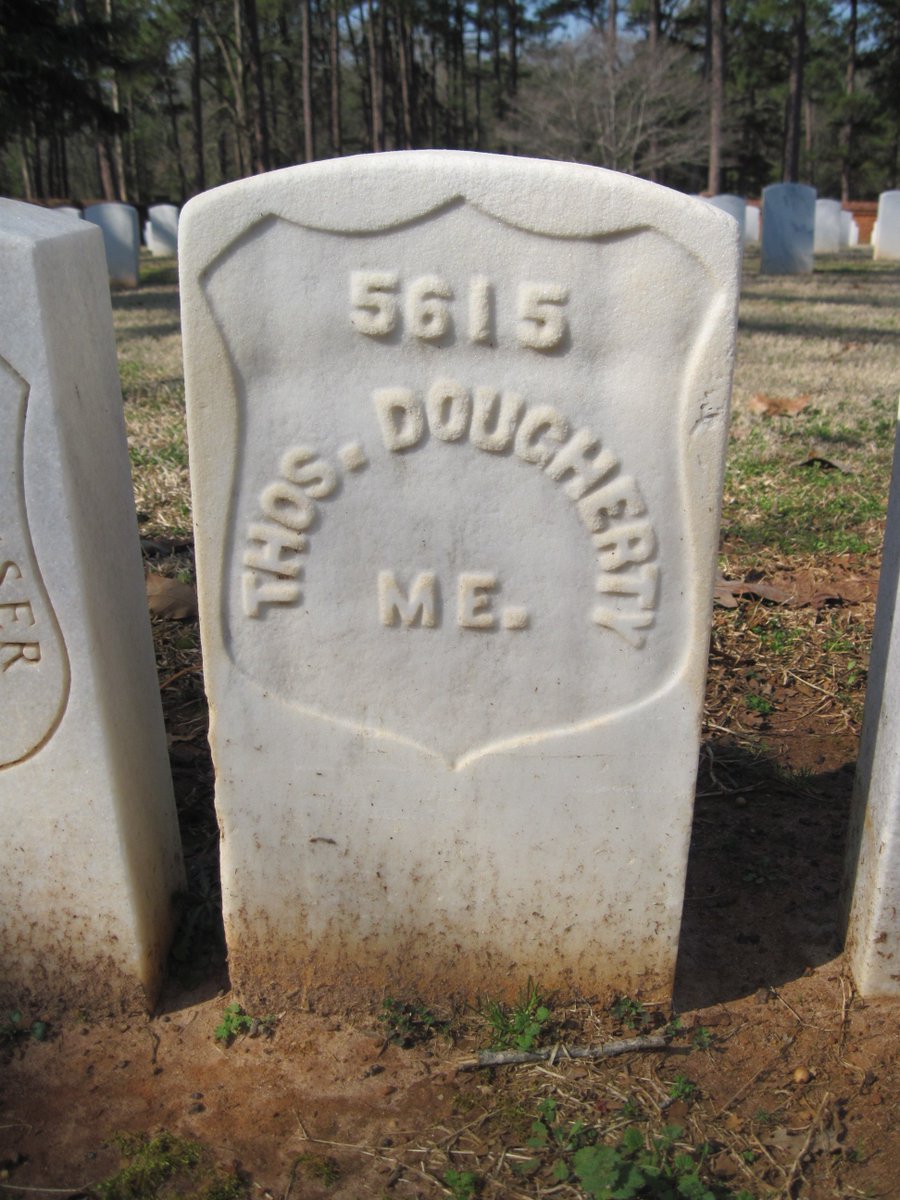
764	875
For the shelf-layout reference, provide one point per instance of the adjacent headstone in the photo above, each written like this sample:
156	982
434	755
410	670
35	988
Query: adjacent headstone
873	878
846	228
457	426
161	230
121	239
735	206
828	227
751	225
67	210
788	222
88	837
854	234
888	245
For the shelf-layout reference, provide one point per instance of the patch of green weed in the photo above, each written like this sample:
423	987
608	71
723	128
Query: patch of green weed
520	1027
408	1024
702	1039
758	704
323	1169
235	1021
630	1013
682	1088
164	1166
463	1185
169	454
12	1029
634	1167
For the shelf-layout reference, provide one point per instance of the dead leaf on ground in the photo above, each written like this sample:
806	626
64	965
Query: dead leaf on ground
168	598
162	547
824	1140
810	589
825	464
727	591
801	590
777	406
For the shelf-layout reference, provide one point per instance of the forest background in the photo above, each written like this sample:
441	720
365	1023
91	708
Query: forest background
149	100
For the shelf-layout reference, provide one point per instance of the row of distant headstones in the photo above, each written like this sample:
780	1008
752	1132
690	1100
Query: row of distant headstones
120	225
89	838
791	224
835	228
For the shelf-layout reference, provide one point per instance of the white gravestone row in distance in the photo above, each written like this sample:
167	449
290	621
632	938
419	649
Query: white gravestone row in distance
827	238
735	206
88	837
161	230
121	240
457	471
788	224
887	245
751	225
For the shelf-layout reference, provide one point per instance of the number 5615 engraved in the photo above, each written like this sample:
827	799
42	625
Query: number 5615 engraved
427	308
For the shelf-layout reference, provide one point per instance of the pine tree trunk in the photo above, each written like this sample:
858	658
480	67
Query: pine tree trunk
795	95
654	31
849	93
479	22
27	182
512	78
309	140
107	183
403	61
197	107
335	63
260	113
176	138
716	93
376	82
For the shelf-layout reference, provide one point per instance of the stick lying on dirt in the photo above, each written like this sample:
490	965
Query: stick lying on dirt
514	1058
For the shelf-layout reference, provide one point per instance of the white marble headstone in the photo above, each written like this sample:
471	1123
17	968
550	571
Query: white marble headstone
846	228
161	230
828	227
751	225
68	210
788	222
457	426
121	239
888	244
88	836
873	876
735	206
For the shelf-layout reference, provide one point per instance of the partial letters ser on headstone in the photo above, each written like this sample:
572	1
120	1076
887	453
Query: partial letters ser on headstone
457	427
88	836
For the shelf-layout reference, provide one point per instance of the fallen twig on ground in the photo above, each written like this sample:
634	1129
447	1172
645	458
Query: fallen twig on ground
515	1058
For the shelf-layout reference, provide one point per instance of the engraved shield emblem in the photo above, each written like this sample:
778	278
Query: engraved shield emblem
460	470
34	668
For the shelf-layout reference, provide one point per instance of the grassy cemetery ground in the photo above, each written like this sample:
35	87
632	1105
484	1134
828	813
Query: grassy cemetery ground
773	1080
